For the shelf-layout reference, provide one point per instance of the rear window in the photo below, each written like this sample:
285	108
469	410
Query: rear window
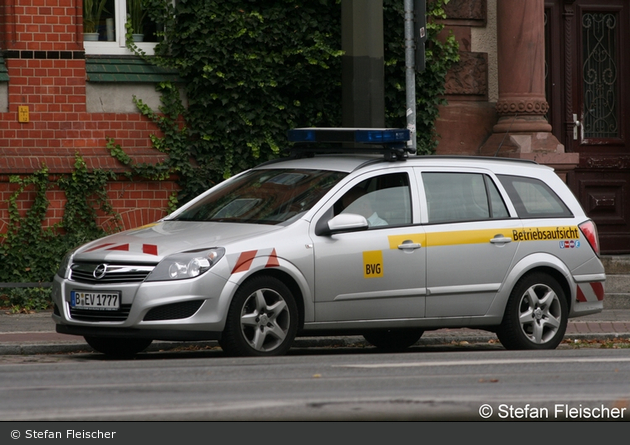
532	198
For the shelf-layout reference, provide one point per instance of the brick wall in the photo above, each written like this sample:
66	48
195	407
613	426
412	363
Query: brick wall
41	43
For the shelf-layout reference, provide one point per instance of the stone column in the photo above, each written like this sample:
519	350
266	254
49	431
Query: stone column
363	68
522	103
522	130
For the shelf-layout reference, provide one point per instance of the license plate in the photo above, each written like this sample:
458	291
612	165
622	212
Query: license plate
99	301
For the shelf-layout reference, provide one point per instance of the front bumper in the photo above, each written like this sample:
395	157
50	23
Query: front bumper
192	309
154	334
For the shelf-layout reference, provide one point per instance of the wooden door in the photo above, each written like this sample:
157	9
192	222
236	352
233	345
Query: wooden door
587	52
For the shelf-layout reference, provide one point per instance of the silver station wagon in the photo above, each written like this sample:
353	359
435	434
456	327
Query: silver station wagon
384	245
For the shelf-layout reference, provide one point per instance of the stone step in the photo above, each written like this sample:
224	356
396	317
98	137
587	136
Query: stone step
616	264
617	284
617	281
616	301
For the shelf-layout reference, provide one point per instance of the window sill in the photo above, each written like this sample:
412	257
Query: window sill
115	49
127	69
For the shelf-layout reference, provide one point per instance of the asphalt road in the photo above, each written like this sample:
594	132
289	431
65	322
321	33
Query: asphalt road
426	383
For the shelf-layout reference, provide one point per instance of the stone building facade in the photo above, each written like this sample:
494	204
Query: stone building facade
546	80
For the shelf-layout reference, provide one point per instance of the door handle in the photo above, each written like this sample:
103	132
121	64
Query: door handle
577	125
500	239
409	245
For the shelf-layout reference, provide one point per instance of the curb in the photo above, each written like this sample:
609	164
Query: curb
74	347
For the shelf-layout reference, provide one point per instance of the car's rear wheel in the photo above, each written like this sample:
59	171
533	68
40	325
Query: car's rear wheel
393	340
262	319
536	314
118	347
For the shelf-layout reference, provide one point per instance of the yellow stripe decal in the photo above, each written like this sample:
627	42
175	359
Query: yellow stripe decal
545	233
458	237
463	237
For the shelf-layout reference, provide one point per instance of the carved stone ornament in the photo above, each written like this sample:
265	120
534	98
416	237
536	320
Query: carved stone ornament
469	76
466	9
617	163
528	106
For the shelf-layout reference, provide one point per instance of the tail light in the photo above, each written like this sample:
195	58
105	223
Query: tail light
589	230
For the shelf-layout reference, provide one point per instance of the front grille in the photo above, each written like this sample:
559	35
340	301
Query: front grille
173	311
103	273
91	315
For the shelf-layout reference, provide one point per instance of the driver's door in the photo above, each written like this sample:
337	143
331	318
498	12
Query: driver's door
377	272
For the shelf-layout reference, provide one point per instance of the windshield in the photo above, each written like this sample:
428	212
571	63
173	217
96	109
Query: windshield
263	197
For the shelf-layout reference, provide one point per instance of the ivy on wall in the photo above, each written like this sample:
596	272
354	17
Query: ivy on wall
30	251
255	69
252	70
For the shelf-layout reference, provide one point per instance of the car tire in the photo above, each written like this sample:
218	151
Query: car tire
536	314
262	319
393	340
118	347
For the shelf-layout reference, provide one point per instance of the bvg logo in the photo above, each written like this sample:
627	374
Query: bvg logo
373	264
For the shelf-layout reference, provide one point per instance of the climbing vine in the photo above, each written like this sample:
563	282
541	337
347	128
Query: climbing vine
252	70
30	251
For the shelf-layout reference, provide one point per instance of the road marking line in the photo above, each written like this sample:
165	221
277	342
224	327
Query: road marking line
489	362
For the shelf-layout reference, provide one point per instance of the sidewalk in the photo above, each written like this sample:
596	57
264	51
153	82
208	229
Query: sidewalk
25	334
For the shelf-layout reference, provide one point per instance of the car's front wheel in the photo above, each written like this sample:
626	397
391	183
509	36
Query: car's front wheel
262	319
118	347
536	314
393	340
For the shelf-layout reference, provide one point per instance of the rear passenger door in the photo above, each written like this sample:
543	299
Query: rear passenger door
469	241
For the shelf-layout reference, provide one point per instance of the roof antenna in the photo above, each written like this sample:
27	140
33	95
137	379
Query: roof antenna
505	135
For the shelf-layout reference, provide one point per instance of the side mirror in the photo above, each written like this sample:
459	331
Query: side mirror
347	222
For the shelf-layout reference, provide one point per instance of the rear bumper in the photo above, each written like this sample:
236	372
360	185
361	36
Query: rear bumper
589	295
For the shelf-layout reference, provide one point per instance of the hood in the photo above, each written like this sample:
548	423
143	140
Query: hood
151	243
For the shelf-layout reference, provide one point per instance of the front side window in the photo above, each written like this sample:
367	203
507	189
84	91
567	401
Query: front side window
104	26
383	200
456	197
263	197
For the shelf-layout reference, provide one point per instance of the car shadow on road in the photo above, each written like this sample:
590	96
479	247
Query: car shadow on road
211	351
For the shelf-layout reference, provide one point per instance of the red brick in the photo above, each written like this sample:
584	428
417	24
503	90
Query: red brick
55	92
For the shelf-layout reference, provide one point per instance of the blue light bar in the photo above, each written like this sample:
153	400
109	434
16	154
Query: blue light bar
343	135
385	136
301	135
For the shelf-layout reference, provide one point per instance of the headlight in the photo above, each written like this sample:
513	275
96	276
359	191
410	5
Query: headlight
64	266
184	265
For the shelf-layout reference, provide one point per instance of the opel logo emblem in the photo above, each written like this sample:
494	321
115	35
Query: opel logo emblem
99	271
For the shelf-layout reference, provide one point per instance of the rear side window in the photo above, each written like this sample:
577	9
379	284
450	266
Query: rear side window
453	197
532	198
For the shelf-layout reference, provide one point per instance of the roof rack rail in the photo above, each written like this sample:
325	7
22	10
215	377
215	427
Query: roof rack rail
391	142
